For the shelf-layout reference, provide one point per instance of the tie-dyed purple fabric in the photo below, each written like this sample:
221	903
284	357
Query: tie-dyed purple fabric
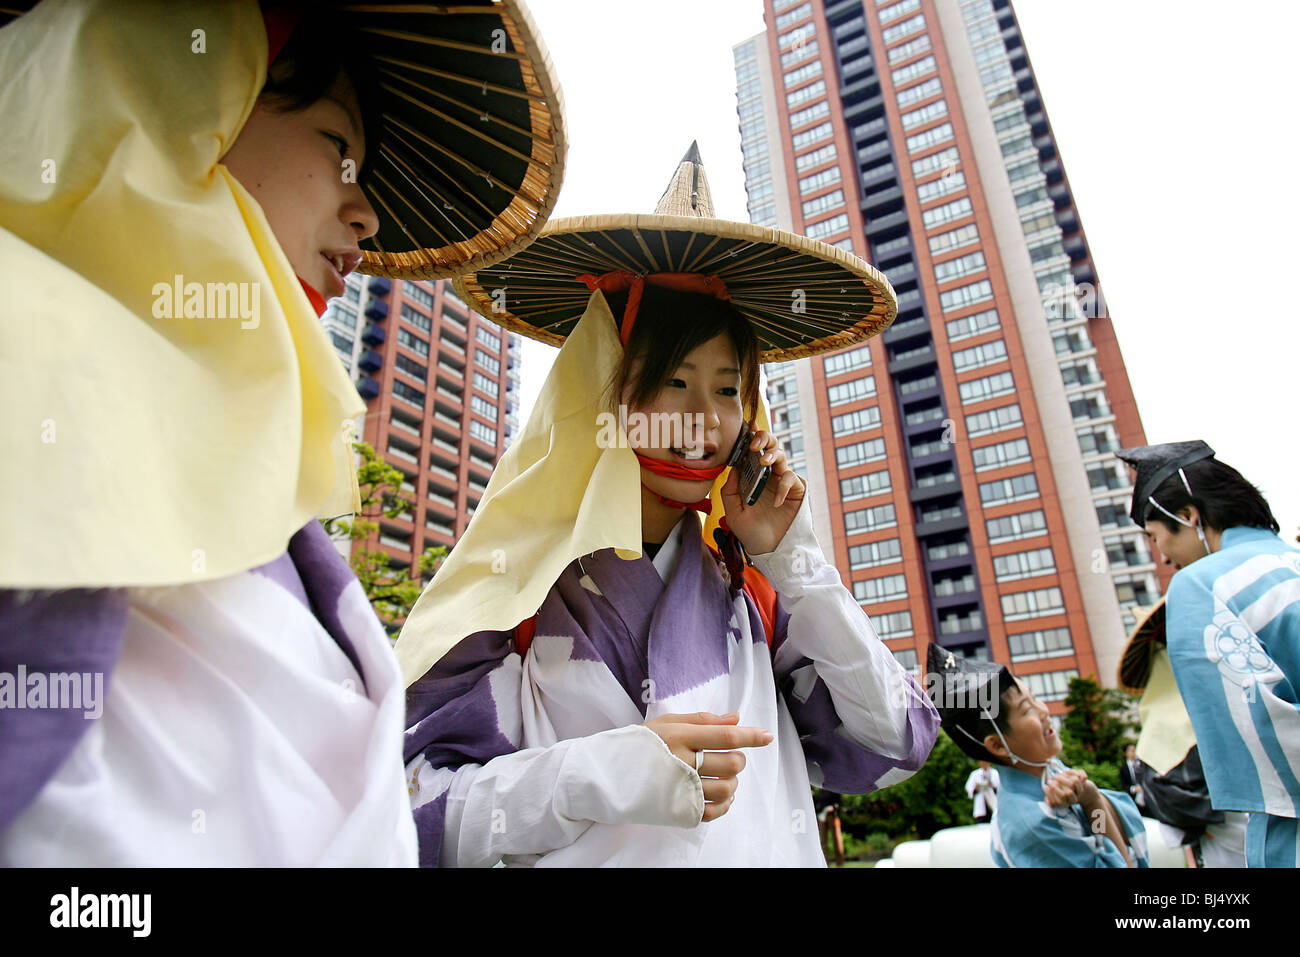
650	634
81	631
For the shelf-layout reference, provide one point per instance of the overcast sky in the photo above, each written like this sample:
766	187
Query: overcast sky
1176	125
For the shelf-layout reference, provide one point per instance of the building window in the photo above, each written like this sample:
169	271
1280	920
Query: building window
1032	604
826	177
888	588
804	94
847	456
1014	489
961	266
414	343
871	554
852	390
808	137
1029	564
931	137
989	387
803	73
949	211
823	203
895	624
489	386
815	112
935	162
1021	525
926	114
968	326
483	407
964	296
794	16
1001	455
994	420
908	50
905	29
940	187
417	319
481	432
986	353
1050	685
799	53
859	421
408	393
891	13
862	486
418	294
911	72
492	364
922	91
488	338
844	361
815	158
1040	644
827	227
870	519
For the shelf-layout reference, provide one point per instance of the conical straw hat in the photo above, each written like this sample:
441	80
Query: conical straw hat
802	296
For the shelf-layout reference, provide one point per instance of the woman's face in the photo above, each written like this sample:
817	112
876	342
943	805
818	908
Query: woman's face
301	166
694	421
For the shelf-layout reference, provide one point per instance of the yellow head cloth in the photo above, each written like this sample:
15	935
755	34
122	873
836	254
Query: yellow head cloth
1167	733
149	447
560	491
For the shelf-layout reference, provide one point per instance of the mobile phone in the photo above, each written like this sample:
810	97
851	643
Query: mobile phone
753	474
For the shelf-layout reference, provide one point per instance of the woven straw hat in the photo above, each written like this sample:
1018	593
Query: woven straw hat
465	137
1135	662
802	297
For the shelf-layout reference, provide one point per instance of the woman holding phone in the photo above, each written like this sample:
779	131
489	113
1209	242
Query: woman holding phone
590	683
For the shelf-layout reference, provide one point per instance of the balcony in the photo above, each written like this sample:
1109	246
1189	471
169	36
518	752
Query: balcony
941	526
450	321
447	420
448	395
392	542
370	360
449	448
442	501
401	454
367	388
452	347
440	528
444	474
947	484
380	286
373	335
451	370
911	359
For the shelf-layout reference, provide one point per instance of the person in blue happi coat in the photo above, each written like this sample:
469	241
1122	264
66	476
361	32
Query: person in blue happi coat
1233	632
1048	815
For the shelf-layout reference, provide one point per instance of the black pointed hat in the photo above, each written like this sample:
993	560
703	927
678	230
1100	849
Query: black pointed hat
967	692
1154	464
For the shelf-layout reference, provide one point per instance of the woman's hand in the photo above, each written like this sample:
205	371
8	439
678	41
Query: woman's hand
761	526
719	735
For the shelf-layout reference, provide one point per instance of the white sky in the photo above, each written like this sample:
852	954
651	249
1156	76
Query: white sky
1176	124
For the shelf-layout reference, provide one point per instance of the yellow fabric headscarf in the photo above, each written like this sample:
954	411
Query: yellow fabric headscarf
556	495
147	448
1167	733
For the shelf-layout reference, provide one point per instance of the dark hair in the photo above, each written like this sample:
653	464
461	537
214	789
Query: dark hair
669	324
1219	492
319	51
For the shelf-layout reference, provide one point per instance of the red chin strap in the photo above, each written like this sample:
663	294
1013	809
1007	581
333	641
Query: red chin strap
316	299
674	471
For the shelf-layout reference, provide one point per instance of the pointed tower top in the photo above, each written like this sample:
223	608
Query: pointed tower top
688	192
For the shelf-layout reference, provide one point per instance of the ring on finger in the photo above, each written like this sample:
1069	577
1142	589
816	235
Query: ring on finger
699	761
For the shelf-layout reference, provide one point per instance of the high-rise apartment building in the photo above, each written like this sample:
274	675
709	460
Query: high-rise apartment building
441	385
961	464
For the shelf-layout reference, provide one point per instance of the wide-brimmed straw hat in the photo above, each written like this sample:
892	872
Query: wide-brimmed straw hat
465	135
802	296
1135	662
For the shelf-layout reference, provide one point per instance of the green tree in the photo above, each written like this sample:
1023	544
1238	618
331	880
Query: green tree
1095	729
392	592
930	800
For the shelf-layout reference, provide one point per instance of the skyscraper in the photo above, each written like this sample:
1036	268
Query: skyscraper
961	465
441	385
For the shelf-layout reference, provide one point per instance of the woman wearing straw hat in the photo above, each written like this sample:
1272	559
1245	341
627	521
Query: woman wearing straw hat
189	673
589	683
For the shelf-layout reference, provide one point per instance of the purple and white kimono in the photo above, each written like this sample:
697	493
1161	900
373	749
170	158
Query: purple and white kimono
546	761
249	720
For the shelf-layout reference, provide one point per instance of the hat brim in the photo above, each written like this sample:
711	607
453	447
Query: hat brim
802	297
1135	662
470	150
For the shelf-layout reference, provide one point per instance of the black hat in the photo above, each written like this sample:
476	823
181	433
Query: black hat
967	692
1154	464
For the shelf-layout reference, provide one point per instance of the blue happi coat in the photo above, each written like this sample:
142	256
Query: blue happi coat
1029	832
1233	628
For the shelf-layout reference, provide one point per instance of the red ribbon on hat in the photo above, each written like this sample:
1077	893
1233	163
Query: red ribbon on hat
634	285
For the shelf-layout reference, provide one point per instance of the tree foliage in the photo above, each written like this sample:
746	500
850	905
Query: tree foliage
392	592
1095	729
